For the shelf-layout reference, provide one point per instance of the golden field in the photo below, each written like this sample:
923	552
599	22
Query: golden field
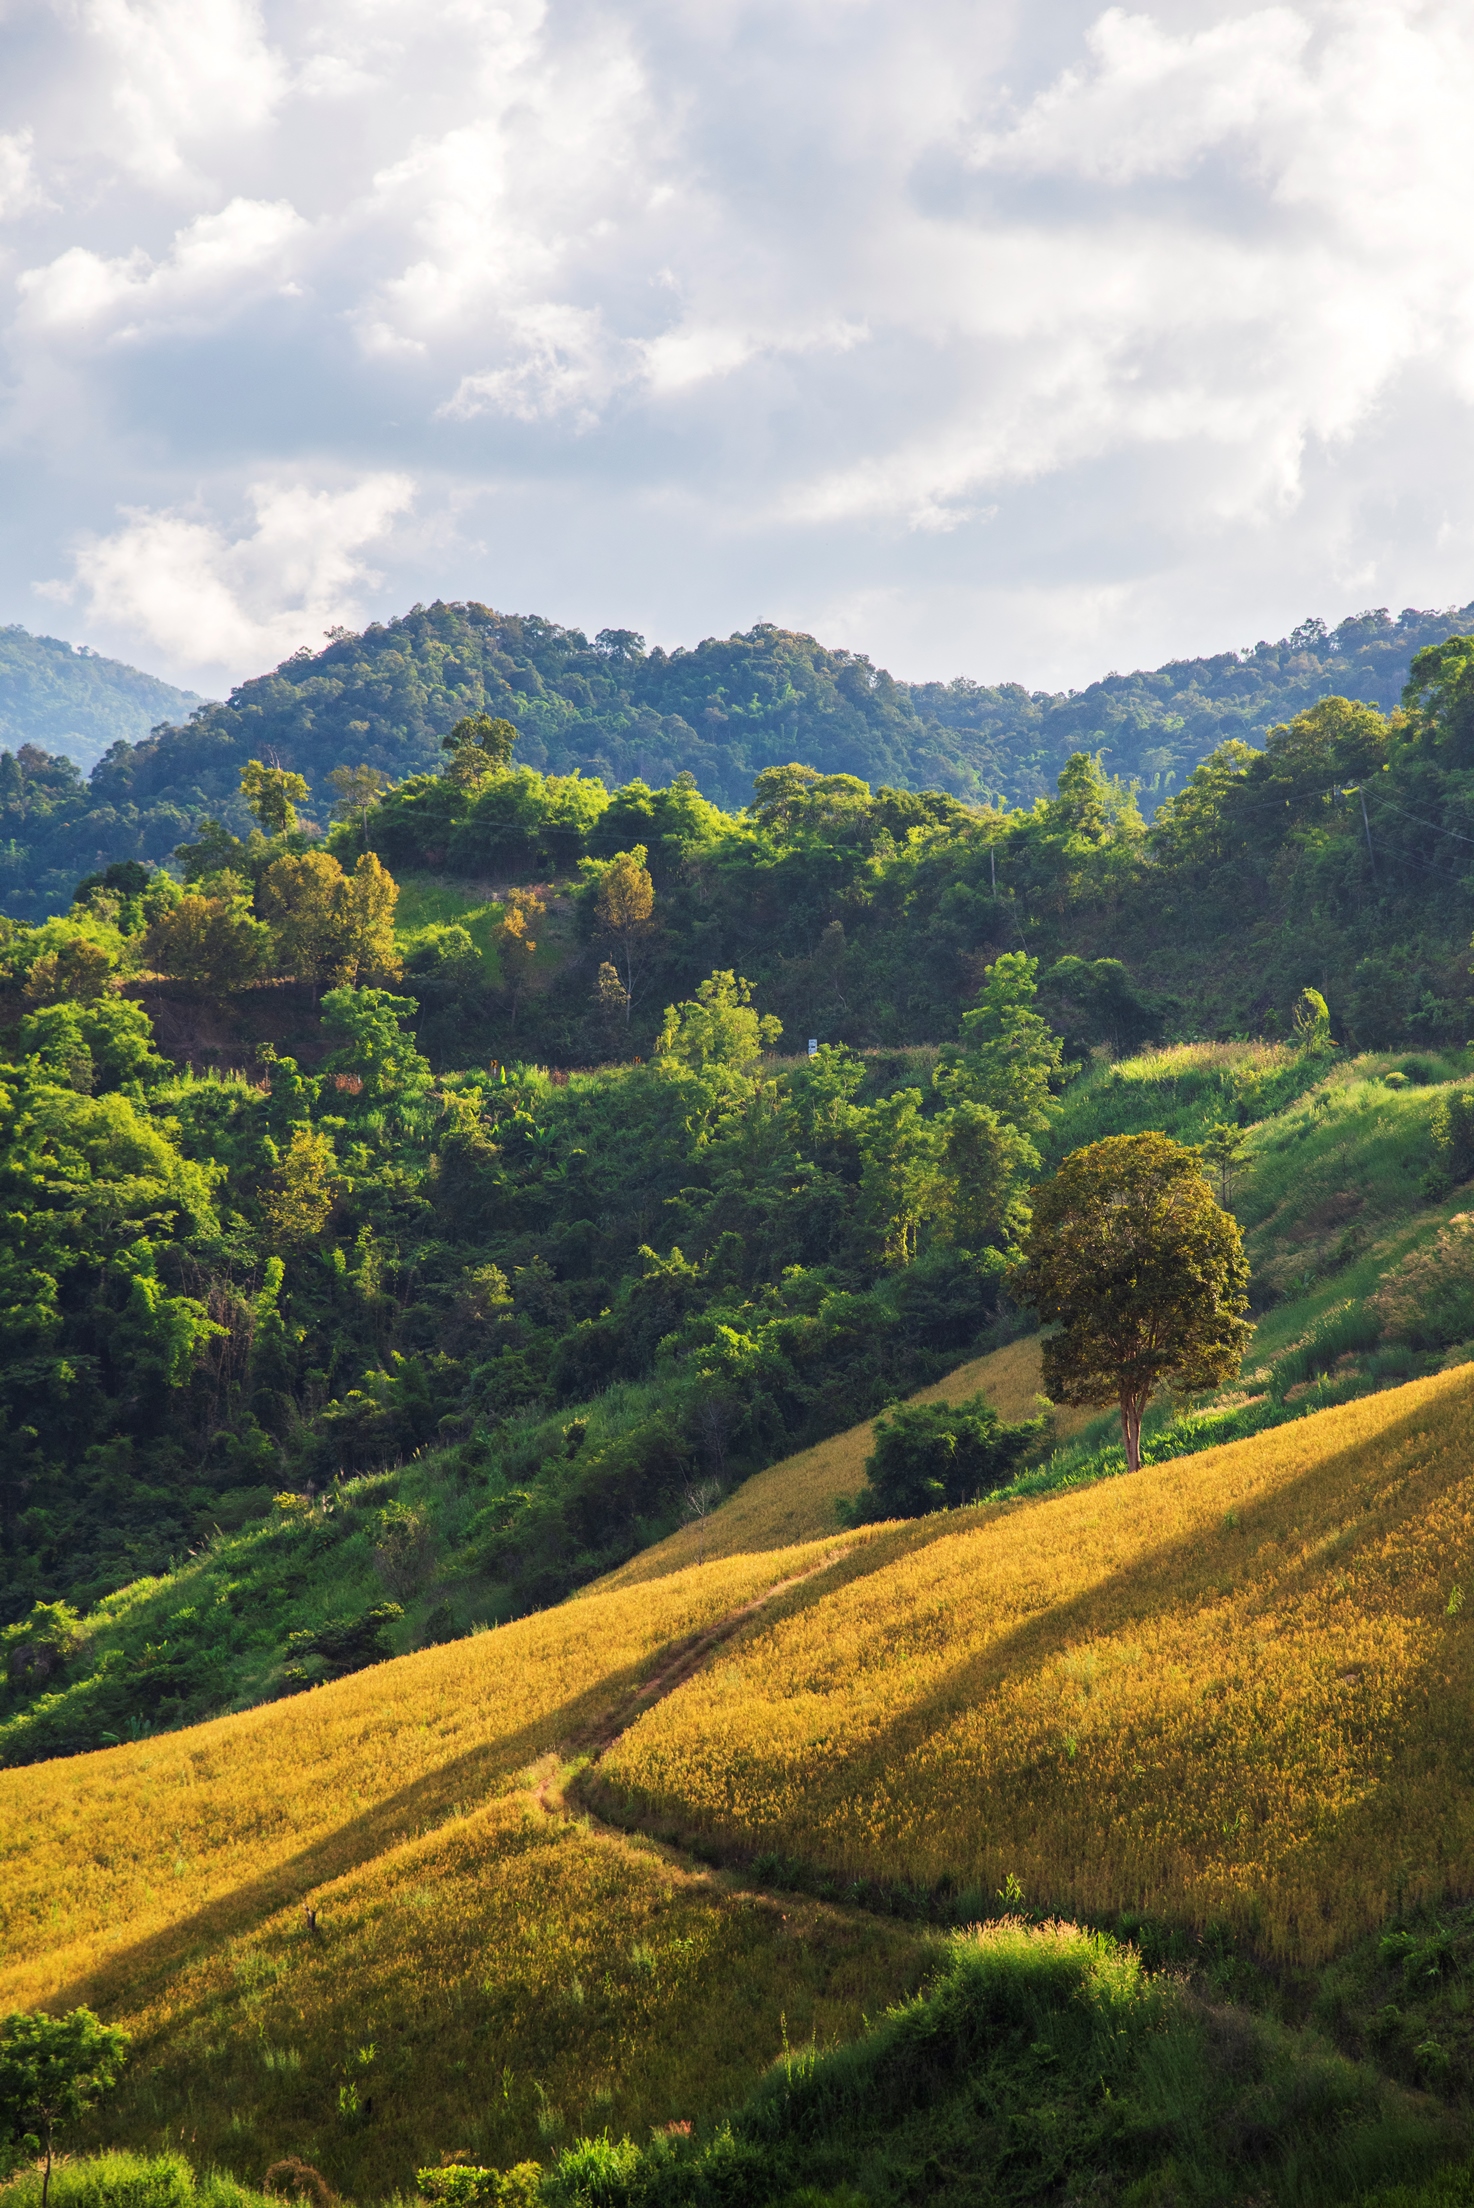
1236	1685
497	1988
794	1501
114	1865
490	1973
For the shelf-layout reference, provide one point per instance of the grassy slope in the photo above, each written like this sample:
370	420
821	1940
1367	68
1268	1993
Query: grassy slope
795	1500
512	1973
1330	1198
1227	1688
249	1589
1329	1195
430	900
438	900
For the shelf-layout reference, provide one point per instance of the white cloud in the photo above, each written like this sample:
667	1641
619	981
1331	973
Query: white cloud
1279	310
1154	104
565	365
181	76
19	190
939	321
207	599
217	261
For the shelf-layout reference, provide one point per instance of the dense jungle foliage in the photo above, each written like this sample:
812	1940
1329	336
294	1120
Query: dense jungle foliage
1338	856
606	1286
611	711
550	1197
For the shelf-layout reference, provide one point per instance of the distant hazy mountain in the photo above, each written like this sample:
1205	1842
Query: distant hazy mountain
69	699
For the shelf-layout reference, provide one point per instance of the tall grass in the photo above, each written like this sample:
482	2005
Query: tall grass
110	1863
1181	1091
1044	2064
492	1989
118	2179
1231	1686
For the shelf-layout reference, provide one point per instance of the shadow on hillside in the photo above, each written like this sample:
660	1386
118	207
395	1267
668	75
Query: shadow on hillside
465	1783
1187	1571
1329	1506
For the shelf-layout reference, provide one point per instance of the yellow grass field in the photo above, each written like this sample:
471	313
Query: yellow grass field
497	1988
487	1971
794	1500
1235	1685
114	1865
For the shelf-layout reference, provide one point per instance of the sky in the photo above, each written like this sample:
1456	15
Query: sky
987	338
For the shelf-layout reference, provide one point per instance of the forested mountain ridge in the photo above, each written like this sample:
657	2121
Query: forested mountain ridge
721	712
65	698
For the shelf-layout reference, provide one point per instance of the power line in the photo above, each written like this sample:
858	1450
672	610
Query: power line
1406	858
1416	819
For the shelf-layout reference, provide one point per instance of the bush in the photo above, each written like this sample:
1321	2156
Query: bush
938	1456
460	2185
1428	1302
119	2180
1044	2060
1452	1127
325	1652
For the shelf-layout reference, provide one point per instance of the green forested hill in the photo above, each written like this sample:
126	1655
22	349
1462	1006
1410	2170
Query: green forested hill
541	1189
74	701
721	712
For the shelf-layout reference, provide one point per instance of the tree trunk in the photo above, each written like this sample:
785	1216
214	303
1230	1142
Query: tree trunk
1132	1406
46	2176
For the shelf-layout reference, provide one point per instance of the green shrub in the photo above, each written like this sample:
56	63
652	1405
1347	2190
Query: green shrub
1452	1128
938	1456
461	2185
118	2180
1044	2060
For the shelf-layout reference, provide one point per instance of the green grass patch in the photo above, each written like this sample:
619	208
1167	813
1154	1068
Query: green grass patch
121	2180
433	901
1044	2064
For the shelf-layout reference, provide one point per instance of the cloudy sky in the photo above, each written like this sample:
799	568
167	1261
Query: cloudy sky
987	337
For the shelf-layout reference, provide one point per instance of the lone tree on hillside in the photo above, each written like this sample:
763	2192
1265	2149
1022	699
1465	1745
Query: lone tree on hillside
52	2070
1142	1274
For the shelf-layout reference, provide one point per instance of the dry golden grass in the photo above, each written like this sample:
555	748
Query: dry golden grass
487	1972
514	1979
794	1501
114	1865
1236	1685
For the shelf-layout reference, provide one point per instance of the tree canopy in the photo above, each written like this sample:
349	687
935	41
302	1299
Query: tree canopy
52	2070
724	711
1139	1272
